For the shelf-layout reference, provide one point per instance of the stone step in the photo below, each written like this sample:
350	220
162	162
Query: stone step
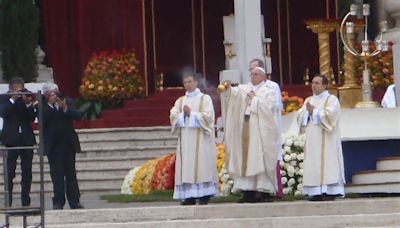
388	187
93	162
111	153
93	183
376	176
339	213
388	163
137	151
82	173
129	142
361	220
122	133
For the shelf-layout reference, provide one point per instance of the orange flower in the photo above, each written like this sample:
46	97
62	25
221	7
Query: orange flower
106	80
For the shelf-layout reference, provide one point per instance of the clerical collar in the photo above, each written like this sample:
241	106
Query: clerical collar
194	93
256	87
322	95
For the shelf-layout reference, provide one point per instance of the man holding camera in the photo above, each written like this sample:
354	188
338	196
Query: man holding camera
18	113
60	145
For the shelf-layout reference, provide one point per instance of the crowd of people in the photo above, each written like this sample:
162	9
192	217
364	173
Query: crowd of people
19	110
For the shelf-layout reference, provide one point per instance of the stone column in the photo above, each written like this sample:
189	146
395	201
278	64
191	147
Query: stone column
392	8
248	36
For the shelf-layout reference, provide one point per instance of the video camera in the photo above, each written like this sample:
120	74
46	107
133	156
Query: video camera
27	92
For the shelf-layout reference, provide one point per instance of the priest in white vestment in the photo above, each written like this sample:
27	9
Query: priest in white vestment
278	115
389	99
323	176
251	137
192	120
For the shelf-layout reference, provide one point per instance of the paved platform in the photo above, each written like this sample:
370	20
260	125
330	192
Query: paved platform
360	212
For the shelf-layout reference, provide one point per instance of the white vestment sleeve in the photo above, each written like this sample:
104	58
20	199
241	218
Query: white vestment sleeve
305	118
315	117
389	99
328	116
181	120
205	118
174	115
194	121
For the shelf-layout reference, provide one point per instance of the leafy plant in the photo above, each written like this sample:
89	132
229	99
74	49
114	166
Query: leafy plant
19	35
111	77
89	110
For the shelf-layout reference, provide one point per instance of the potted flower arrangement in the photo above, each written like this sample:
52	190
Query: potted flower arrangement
291	104
109	78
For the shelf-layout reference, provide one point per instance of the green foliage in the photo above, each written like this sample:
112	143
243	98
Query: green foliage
19	33
89	110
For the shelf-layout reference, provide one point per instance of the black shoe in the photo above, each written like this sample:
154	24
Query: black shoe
316	198
328	197
189	201
264	197
77	206
204	200
248	197
26	202
57	207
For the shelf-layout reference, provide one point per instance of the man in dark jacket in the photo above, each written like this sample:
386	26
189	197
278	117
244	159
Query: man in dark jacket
18	113
61	144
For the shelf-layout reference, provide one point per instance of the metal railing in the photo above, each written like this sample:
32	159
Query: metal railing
26	211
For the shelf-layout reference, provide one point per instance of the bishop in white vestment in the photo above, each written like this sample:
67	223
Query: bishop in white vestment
192	120
323	177
389	99
251	137
278	117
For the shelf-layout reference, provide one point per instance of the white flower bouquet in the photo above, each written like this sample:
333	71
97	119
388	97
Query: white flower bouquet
226	182
292	164
128	180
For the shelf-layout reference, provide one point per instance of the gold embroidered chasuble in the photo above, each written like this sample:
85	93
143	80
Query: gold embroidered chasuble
251	142
196	150
323	158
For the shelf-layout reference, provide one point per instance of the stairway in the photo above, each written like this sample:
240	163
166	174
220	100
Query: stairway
151	111
377	212
107	156
385	179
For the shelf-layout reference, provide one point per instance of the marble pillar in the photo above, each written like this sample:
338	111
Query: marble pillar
392	9
248	35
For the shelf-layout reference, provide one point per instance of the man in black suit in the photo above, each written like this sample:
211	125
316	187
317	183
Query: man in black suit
61	144
18	113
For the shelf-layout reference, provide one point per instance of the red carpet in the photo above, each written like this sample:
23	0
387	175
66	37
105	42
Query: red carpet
151	111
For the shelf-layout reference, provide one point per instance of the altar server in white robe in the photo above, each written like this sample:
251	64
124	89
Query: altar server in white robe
192	120
389	99
323	176
251	137
278	115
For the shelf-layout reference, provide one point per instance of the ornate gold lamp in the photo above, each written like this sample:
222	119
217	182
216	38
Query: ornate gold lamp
350	91
347	28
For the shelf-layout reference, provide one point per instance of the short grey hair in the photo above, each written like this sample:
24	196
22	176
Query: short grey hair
49	87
